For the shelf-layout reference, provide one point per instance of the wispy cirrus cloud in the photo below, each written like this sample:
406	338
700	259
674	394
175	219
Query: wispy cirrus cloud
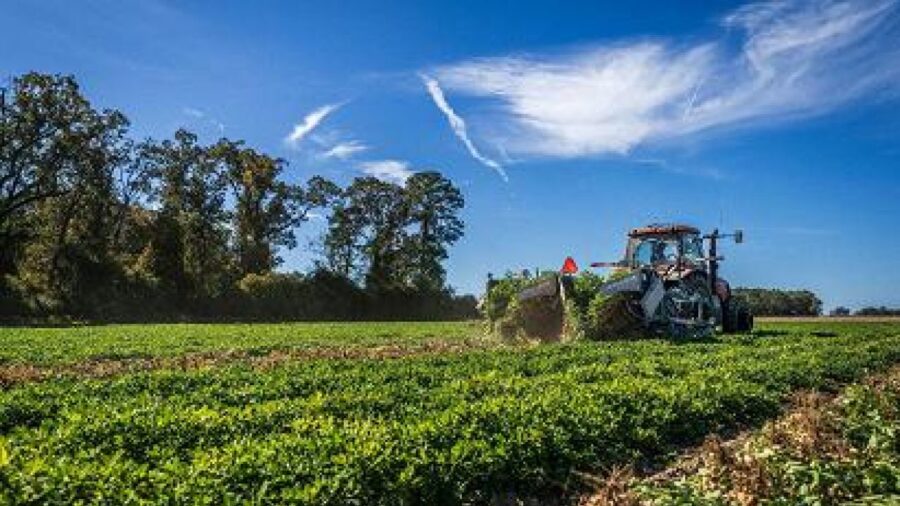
203	116
345	150
458	125
309	123
773	61
394	171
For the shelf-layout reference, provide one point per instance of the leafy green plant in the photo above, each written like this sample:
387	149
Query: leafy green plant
440	429
823	451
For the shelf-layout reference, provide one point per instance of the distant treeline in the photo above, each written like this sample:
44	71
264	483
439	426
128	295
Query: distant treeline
97	225
866	311
877	311
774	302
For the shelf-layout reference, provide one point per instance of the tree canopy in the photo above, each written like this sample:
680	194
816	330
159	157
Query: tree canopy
94	223
774	302
392	236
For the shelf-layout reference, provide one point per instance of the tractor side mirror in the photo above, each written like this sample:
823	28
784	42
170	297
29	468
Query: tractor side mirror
738	236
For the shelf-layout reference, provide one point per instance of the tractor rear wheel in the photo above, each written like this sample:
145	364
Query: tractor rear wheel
736	317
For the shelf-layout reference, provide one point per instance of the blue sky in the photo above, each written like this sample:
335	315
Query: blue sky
564	125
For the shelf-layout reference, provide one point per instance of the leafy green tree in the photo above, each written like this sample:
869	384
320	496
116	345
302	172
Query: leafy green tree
343	242
432	205
189	246
267	209
368	226
52	144
840	311
392	237
59	205
877	311
94	224
774	302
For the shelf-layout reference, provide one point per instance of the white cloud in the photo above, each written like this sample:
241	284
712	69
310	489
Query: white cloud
190	111
394	171
792	59
309	123
458	125
202	116
345	150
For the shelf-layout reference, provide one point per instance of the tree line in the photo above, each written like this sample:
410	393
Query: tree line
866	311
96	224
775	302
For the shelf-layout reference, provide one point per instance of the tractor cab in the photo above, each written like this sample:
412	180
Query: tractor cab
663	247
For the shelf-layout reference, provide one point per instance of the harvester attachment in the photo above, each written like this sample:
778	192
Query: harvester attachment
552	310
540	309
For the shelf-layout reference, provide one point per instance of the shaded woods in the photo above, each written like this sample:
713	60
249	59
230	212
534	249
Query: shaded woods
775	302
97	225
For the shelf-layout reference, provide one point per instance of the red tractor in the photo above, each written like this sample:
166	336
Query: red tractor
668	282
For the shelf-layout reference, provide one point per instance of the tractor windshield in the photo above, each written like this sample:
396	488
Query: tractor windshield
667	250
655	250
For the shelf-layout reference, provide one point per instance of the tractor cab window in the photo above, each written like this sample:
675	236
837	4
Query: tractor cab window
643	253
693	248
668	252
652	250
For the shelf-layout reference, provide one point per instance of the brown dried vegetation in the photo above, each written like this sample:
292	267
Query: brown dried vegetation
738	469
613	490
12	374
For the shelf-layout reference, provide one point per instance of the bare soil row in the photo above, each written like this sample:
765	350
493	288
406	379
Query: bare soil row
13	374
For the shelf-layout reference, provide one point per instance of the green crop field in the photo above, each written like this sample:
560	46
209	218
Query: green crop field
465	421
74	344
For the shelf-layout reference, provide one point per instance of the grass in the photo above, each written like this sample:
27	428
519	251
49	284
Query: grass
449	428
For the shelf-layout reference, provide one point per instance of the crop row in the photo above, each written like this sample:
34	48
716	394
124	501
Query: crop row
824	451
440	429
45	346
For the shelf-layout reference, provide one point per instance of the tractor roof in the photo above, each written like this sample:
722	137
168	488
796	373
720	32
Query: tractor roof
663	229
